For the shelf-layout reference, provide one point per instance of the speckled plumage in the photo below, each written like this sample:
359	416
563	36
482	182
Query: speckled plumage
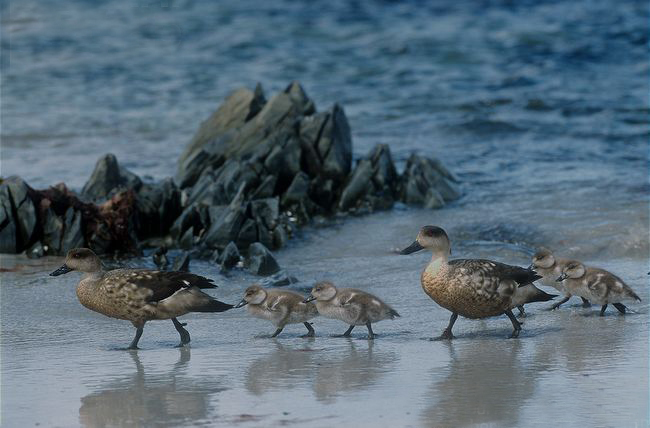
472	288
139	295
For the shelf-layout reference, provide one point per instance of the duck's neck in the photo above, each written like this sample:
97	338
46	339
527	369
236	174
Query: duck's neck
438	262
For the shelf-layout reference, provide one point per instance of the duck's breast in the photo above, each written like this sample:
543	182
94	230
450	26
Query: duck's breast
469	294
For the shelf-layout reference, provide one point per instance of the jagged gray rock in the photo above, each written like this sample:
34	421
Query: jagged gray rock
229	257
25	210
181	263
7	223
427	181
72	233
260	261
226	224
109	178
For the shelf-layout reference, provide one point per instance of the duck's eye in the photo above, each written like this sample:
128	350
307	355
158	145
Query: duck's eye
76	255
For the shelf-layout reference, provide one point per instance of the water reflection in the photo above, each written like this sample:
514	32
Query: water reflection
169	398
352	366
485	383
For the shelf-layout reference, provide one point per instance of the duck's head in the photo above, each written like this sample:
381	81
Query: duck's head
253	295
543	259
322	291
80	259
432	238
572	270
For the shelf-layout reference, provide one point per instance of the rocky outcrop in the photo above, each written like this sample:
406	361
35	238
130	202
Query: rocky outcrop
254	171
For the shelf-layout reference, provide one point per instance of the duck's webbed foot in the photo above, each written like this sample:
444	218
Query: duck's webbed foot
136	339
311	331
348	332
185	335
447	335
558	304
585	303
515	324
371	335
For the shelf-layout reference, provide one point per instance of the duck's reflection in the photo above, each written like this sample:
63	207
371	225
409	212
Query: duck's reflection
353	366
139	400
485	384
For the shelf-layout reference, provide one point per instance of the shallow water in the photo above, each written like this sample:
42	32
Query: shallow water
541	109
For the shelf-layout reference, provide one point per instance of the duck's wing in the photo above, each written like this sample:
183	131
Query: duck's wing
161	284
495	270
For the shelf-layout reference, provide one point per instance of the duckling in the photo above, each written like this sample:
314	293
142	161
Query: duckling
597	285
139	295
550	267
281	307
471	288
354	307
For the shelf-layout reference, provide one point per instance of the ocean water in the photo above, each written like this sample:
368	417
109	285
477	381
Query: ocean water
540	108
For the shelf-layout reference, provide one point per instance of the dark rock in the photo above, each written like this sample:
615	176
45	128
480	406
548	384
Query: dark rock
266	189
159	257
358	185
187	240
385	173
335	146
280	279
297	191
238	108
52	231
433	199
226	226
299	97
280	237
25	211
266	211
181	263
423	174
265	237
190	217
247	234
100	240
108	178
72	232
229	257
215	256
7	223
261	261
36	251
158	205
284	159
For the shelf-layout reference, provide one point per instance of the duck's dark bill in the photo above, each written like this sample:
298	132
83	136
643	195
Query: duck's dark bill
242	303
309	299
415	246
60	271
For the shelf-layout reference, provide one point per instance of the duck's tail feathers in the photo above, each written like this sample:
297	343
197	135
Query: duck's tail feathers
543	296
214	305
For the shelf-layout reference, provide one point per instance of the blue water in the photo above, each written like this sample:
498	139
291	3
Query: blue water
541	108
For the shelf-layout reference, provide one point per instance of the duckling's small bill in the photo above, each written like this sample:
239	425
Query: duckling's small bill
60	271
241	304
310	298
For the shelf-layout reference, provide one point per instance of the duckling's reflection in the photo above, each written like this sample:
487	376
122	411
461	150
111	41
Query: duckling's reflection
485	384
168	398
329	373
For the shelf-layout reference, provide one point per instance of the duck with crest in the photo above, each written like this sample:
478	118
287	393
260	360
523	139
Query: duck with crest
139	295
473	288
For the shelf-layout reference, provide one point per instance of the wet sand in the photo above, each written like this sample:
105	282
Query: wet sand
62	364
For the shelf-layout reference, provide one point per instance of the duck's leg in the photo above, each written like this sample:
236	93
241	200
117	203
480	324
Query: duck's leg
310	328
278	331
522	312
371	335
516	324
621	307
446	335
348	331
602	310
138	332
185	335
585	303
561	302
